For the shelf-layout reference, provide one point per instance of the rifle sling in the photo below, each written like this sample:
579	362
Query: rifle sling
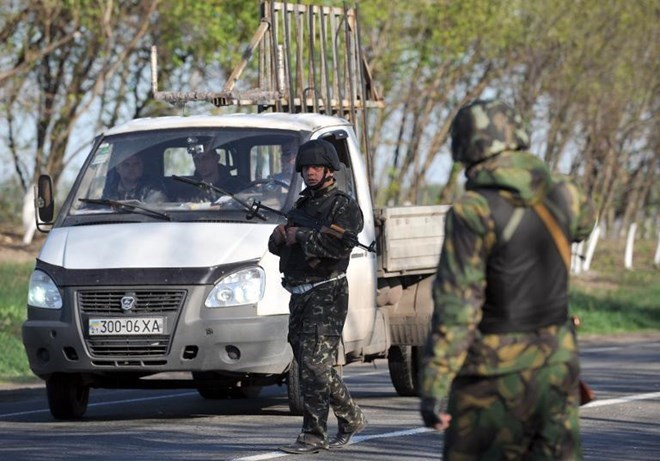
555	231
586	393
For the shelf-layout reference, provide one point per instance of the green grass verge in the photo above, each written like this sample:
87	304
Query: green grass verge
610	299
13	297
632	305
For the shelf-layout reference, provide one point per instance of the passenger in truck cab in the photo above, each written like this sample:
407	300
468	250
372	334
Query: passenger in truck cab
288	160
127	181
209	170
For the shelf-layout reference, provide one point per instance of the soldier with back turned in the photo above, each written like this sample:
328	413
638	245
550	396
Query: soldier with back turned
502	346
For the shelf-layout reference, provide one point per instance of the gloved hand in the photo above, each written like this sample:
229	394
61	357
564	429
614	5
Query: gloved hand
430	409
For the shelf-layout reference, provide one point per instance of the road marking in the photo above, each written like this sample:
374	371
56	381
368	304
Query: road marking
616	347
420	430
103	404
145	399
354	440
630	398
602	349
357	439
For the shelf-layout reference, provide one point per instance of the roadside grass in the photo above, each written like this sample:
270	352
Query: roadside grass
608	299
14	279
633	306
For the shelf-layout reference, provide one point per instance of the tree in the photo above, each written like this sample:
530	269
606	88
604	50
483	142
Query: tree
75	49
74	60
588	89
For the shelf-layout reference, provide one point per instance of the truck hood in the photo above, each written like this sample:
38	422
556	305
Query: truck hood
155	245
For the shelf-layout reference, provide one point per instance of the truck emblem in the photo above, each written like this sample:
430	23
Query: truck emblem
128	302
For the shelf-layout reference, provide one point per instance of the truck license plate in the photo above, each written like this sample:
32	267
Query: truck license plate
127	326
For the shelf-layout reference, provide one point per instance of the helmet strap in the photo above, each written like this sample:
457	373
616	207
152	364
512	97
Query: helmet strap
321	184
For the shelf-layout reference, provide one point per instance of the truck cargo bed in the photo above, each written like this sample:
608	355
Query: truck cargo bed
409	239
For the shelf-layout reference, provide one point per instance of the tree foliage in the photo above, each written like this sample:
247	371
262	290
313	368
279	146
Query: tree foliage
584	73
71	60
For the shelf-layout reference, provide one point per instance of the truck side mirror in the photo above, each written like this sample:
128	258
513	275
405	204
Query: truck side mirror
44	200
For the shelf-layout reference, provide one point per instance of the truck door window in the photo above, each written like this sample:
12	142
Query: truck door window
344	176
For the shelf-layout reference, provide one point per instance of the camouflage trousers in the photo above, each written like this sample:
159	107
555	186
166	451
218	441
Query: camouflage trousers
531	415
315	325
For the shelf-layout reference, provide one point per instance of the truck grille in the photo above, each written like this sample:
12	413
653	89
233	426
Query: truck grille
108	303
148	301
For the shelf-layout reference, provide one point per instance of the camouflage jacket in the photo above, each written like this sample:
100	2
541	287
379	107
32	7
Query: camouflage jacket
316	255
456	346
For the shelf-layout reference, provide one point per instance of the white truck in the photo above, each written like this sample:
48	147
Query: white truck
182	291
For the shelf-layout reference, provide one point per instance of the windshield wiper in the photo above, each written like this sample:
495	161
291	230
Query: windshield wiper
131	208
210	187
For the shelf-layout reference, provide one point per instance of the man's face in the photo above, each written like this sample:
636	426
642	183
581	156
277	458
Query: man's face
206	163
313	174
130	170
288	162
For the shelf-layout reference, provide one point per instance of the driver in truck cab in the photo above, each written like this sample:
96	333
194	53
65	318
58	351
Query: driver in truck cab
314	266
127	181
209	170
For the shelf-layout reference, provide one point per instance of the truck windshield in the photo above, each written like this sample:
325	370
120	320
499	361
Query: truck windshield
163	170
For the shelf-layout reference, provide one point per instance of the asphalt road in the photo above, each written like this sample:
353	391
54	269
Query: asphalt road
622	424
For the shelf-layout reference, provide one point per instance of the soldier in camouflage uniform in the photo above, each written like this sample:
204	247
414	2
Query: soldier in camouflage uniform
314	266
502	346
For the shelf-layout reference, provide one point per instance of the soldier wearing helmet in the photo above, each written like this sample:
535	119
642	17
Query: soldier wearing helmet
502	346
314	266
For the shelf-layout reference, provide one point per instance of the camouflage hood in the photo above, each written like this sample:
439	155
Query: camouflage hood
522	177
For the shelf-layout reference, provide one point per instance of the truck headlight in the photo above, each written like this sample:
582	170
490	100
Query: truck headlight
42	291
242	287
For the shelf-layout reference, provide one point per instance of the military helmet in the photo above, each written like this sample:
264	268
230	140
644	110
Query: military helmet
317	152
485	128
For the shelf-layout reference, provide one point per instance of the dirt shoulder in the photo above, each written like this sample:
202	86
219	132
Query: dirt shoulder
12	248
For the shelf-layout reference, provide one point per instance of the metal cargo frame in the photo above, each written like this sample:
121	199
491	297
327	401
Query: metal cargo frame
309	60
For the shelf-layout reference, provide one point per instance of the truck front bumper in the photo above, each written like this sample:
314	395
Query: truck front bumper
232	340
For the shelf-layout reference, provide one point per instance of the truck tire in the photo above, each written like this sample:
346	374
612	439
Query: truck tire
294	391
403	362
67	395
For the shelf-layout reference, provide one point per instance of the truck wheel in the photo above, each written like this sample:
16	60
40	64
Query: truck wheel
403	362
293	389
67	395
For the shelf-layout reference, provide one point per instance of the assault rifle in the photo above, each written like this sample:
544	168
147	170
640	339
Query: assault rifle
297	217
586	393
